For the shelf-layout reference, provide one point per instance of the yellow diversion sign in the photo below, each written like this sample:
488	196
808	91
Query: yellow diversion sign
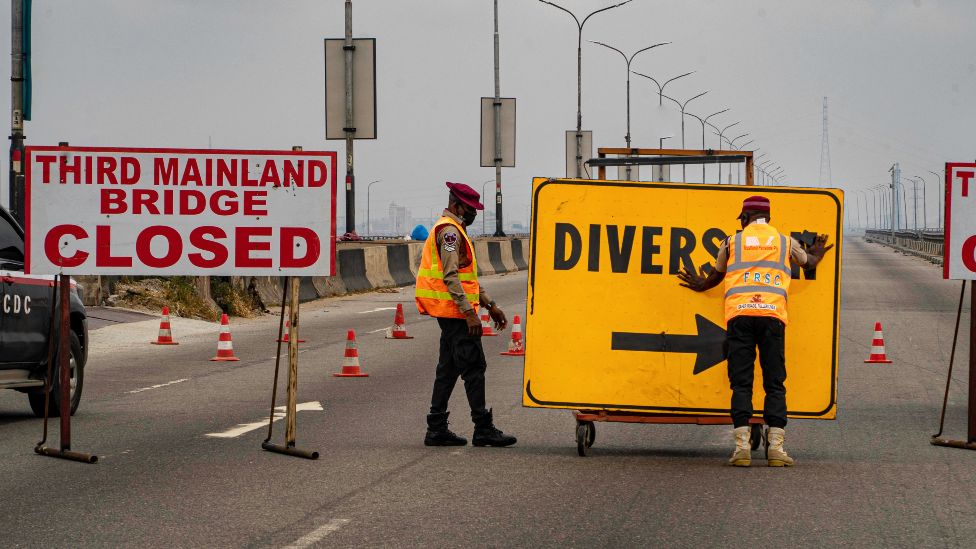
608	326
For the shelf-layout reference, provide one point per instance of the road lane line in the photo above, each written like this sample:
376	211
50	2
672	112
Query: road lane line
158	386
380	330
378	310
318	534
279	414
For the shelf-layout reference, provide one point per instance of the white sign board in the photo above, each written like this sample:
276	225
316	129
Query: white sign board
102	210
960	222
363	88
507	121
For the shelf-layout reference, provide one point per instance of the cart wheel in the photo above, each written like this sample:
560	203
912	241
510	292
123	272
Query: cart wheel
582	437
591	434
756	436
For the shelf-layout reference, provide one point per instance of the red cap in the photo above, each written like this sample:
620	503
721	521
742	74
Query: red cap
755	203
466	194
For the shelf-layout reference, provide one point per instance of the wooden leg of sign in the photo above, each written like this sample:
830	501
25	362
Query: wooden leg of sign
64	377
291	405
290	412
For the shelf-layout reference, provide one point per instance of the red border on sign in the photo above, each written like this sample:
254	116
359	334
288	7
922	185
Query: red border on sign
150	150
948	220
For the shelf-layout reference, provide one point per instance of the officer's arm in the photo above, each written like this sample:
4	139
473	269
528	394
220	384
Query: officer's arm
448	246
810	257
700	282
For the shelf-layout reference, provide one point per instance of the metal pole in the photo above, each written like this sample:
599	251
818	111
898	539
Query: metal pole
895	172
16	181
369	188
350	130
499	231
972	368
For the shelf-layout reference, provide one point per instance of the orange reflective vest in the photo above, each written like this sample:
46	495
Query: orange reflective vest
757	279
432	295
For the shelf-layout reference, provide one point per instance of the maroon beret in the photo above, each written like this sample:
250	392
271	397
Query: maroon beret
466	194
755	203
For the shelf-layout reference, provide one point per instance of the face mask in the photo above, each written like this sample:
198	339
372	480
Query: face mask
469	216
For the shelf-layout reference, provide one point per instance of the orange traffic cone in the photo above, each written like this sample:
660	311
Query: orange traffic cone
516	347
486	327
398	331
350	364
284	338
878	347
165	336
225	347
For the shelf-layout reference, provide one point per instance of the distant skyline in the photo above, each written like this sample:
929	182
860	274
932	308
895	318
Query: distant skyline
900	76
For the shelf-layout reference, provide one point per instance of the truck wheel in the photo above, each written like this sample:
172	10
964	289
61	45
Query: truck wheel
77	364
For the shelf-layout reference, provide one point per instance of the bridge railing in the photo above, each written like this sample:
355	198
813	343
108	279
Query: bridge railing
926	242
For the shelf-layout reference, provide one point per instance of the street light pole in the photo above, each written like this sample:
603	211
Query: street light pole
720	133
738	172
579	77
732	146
628	60
369	187
682	106
704	121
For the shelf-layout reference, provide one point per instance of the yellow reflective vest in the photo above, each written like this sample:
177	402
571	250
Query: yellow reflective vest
432	295
757	279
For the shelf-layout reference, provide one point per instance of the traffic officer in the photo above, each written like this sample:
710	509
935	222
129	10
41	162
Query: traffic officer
754	266
448	289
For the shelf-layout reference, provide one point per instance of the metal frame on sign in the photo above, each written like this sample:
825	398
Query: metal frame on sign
658	157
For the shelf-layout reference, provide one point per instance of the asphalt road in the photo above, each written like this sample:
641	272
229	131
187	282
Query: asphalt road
869	479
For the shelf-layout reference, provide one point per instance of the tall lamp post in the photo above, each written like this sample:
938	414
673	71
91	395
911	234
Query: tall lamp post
683	106
369	187
732	146
915	184
738	172
874	204
939	194
579	77
704	121
628	60
720	133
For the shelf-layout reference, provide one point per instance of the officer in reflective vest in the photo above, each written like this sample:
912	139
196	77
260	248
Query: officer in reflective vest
448	289
755	266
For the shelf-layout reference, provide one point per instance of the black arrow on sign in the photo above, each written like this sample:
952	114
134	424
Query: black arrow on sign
708	345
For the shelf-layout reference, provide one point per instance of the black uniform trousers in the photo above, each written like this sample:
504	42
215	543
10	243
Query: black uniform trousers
461	355
745	335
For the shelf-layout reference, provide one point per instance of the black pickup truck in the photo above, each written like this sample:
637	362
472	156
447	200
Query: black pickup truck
25	326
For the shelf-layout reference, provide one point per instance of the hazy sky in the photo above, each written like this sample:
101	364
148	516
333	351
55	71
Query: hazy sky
900	76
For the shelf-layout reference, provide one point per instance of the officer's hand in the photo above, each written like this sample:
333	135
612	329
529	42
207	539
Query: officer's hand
690	279
819	247
473	322
499	317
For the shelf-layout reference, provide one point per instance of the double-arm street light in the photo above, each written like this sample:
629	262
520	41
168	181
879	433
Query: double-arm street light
732	146
683	106
579	76
916	180
703	122
720	133
368	188
628	60
660	87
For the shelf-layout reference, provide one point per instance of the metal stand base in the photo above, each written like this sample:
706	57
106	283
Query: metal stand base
65	454
936	441
290	450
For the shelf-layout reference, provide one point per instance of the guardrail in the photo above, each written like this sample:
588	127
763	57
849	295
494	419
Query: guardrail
924	243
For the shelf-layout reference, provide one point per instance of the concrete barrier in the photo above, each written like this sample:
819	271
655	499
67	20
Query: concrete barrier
360	266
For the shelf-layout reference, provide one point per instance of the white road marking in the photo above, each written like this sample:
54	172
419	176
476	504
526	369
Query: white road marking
158	386
279	414
380	330
378	310
318	534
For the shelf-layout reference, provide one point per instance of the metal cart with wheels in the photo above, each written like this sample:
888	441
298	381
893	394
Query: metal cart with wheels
586	425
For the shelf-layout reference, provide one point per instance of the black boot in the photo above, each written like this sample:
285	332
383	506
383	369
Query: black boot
485	433
438	434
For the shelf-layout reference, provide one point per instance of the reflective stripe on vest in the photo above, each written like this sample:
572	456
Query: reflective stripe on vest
432	295
757	279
